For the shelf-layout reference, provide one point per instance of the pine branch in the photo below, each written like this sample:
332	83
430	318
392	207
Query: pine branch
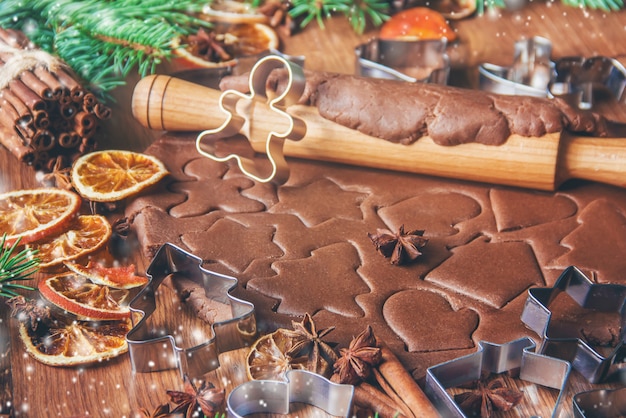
358	12
103	41
15	267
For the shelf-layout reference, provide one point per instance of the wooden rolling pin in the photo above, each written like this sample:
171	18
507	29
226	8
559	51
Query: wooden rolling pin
165	103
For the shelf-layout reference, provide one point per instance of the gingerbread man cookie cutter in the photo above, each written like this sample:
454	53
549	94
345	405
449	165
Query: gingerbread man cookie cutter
594	364
154	347
238	108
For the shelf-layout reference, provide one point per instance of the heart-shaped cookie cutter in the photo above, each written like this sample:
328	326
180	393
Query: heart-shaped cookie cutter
274	397
592	364
153	350
496	358
238	108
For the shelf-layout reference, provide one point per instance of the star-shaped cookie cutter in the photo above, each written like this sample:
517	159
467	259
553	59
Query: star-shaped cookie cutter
239	119
153	350
592	364
274	397
495	358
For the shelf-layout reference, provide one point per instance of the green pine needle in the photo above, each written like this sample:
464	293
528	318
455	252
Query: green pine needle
15	267
103	41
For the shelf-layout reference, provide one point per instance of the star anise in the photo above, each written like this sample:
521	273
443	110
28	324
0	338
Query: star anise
206	45
194	402
307	341
59	176
402	247
355	362
161	411
488	395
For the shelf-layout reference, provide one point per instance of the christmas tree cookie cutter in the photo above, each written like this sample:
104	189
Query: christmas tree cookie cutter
590	362
238	108
496	358
154	348
274	397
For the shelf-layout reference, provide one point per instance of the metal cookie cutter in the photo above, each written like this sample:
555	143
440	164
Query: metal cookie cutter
592	364
601	403
274	397
495	358
154	350
529	75
578	78
229	103
574	79
412	61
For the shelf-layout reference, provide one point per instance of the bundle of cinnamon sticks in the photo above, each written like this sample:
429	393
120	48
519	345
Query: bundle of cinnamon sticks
47	118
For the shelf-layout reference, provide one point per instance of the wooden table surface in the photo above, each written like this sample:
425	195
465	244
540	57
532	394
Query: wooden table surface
30	389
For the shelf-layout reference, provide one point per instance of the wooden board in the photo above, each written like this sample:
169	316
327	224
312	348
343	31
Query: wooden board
31	389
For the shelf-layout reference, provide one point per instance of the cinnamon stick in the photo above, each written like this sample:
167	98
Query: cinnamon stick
368	397
44	111
75	90
392	374
11	142
43	140
21	108
85	124
27	96
9	117
41	119
69	140
46	77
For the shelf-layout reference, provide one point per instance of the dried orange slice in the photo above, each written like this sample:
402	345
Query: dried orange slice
112	175
117	277
267	360
76	342
30	215
87	234
76	294
240	40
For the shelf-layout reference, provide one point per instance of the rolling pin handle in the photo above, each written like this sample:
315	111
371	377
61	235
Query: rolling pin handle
591	158
162	102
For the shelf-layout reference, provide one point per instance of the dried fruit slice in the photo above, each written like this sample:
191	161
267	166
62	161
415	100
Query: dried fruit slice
30	215
85	235
267	359
76	294
112	175
76	342
238	40
116	277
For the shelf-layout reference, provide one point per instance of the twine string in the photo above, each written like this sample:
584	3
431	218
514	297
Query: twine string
25	60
